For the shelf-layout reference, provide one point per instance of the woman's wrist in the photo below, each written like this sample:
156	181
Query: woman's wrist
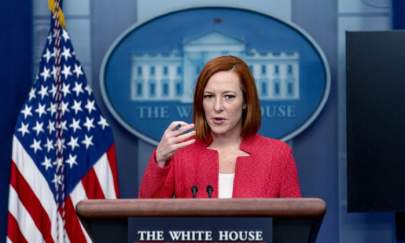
159	162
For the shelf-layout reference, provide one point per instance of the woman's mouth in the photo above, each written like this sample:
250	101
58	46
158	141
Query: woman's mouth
218	120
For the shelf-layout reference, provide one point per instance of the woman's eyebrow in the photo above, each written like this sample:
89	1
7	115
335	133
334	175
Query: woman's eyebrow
222	92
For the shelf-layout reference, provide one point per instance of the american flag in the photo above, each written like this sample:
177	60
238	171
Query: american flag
63	150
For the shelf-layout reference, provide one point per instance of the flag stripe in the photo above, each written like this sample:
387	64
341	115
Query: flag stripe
13	232
73	228
76	196
92	186
25	222
103	170
34	178
31	203
113	165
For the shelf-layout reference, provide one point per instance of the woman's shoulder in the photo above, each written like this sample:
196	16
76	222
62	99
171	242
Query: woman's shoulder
269	144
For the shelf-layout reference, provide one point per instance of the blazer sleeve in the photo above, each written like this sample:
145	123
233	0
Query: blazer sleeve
158	182
290	186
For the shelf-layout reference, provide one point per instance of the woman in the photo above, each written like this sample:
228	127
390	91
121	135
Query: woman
221	155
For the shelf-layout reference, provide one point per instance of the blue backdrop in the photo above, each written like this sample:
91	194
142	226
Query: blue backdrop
16	77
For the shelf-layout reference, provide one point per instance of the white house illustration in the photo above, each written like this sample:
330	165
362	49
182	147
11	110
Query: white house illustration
171	77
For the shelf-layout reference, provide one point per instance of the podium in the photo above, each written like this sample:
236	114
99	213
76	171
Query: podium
293	219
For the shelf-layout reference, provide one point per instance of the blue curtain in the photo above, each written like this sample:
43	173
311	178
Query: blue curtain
15	79
398	14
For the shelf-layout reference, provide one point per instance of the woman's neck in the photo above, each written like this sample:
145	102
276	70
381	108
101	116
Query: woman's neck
229	140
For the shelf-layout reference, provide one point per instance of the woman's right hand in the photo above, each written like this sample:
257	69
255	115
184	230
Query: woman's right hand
174	138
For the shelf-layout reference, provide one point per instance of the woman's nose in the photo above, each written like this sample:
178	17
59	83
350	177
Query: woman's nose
218	106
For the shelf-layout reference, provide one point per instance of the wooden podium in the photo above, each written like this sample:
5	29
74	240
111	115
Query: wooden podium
293	220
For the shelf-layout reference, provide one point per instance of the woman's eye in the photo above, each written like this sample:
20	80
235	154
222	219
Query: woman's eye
229	97
207	96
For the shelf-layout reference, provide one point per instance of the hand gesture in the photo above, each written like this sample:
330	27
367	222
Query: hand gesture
176	136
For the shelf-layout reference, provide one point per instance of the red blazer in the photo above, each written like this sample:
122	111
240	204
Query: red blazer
269	171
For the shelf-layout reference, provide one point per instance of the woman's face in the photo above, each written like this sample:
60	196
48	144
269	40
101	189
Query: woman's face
223	103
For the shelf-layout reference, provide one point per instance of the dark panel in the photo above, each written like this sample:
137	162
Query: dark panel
15	77
376	120
398	17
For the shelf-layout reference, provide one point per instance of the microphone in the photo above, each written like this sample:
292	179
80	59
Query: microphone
210	189
194	190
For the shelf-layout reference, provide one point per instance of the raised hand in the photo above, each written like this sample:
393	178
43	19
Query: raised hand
176	136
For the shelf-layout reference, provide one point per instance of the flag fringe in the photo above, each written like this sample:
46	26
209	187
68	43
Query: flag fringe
57	11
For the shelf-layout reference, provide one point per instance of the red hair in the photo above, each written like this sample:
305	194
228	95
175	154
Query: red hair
251	116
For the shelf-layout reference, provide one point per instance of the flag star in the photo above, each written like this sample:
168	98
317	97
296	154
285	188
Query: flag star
53	90
55	32
51	126
54	72
62	125
52	108
23	129
27	111
65	89
89	124
55	50
64	107
38	127
78	70
49	37
66	53
43	92
47	55
66	71
90	105
40	110
47	163
88	89
58	162
78	88
60	143
57	180
65	35
36	145
103	122
72	160
77	106
75	125
87	141
49	145
32	94
45	74
73	143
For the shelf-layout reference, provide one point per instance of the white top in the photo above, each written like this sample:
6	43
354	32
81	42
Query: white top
225	185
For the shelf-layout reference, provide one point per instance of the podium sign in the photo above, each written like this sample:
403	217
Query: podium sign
198	229
203	220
